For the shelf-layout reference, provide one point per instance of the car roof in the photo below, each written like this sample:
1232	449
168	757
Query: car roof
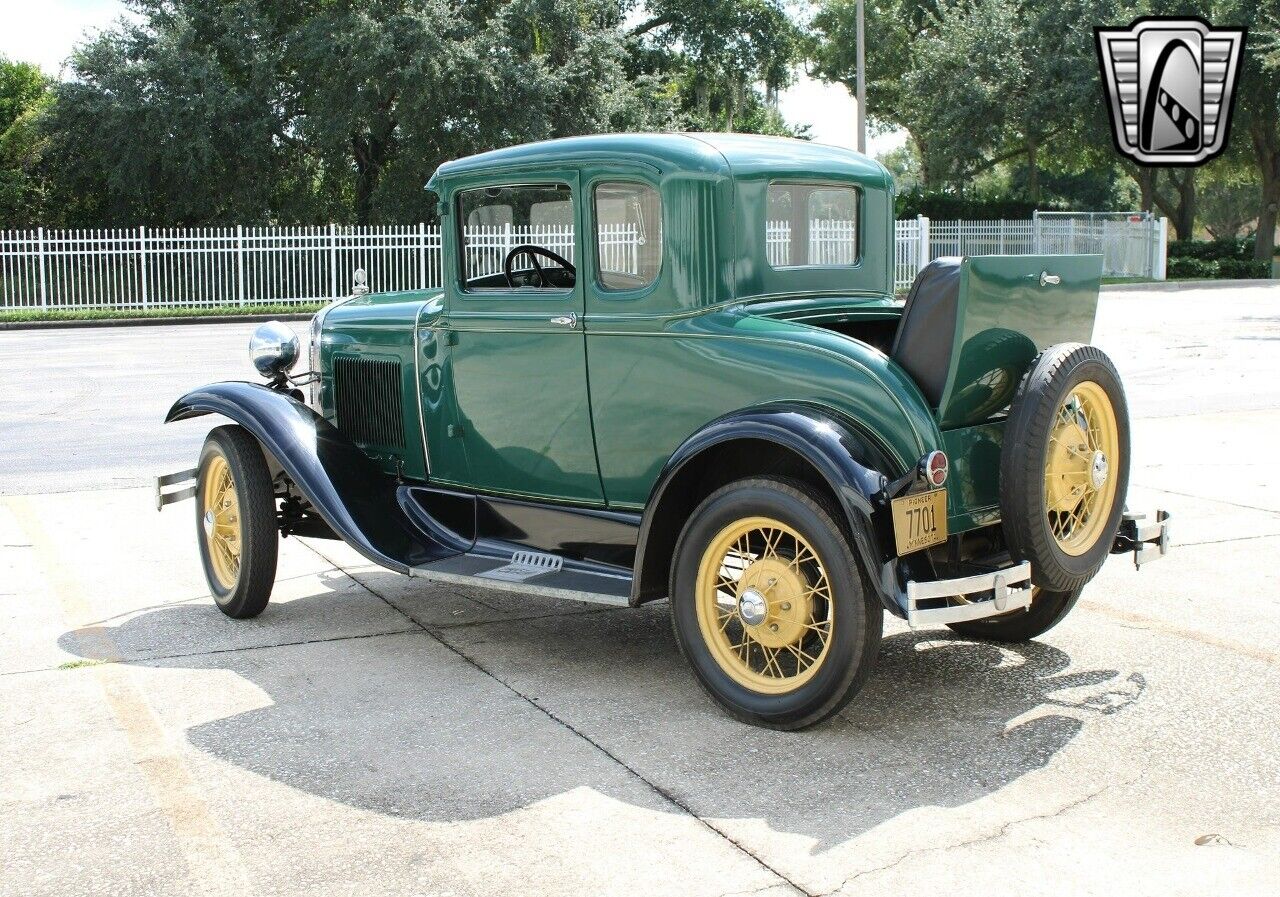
737	155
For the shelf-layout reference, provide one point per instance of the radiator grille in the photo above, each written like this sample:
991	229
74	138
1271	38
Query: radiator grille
367	400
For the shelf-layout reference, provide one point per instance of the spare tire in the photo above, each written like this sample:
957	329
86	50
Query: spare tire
1064	466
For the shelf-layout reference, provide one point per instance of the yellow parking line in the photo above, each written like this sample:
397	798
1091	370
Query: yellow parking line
214	865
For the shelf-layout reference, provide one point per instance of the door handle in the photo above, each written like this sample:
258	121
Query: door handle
1047	279
569	320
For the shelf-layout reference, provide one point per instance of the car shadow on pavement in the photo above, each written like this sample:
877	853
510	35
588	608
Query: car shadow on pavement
473	721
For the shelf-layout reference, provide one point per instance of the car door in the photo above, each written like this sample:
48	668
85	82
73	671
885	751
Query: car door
518	354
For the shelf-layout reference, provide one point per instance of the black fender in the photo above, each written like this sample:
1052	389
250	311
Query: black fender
358	501
851	465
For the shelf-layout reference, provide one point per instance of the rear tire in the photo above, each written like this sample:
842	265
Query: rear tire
1047	610
236	522
769	607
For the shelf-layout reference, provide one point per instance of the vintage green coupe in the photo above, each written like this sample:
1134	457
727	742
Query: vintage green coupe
674	366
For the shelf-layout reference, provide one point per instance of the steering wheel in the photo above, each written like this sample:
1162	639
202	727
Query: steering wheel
533	252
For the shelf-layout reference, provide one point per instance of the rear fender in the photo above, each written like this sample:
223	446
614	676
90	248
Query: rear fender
359	502
846	461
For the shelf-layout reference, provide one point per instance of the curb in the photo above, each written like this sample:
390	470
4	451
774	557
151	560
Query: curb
151	322
1177	285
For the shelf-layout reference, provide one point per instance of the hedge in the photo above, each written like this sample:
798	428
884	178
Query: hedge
1185	267
1230	259
1241	249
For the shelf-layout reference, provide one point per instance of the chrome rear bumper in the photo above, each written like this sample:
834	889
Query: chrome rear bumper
984	595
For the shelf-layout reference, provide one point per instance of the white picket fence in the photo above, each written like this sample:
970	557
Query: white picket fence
202	267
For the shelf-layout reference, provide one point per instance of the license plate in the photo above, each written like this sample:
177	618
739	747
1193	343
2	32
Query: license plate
919	520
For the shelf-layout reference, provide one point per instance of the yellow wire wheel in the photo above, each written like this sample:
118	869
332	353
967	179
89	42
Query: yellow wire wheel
764	605
236	521
1064	467
1080	468
220	517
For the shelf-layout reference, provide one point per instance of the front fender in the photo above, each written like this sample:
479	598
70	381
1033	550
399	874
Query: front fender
358	501
846	461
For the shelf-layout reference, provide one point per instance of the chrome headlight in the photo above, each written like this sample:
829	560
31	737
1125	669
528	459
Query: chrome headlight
273	349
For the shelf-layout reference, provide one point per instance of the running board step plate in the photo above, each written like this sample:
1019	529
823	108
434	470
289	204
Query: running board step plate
525	565
530	573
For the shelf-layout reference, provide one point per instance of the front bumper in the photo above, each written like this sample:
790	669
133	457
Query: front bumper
186	479
983	595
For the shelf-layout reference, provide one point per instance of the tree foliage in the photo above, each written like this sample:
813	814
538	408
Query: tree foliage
301	111
24	95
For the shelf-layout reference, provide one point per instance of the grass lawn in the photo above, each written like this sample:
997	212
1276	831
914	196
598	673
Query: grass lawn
104	314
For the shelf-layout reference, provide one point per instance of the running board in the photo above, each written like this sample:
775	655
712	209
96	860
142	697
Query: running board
530	573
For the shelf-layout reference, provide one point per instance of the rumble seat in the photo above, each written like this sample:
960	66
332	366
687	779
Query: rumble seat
926	333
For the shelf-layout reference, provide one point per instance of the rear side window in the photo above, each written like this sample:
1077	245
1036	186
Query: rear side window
628	234
811	224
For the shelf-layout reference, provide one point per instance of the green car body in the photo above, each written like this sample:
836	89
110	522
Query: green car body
709	393
500	400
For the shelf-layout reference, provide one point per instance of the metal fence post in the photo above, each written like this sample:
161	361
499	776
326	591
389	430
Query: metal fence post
240	263
44	290
1160	249
422	255
1035	232
922	234
333	260
142	247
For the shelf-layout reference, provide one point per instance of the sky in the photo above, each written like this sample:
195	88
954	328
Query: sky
44	32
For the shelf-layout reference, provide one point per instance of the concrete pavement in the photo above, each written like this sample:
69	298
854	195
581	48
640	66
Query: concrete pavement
370	734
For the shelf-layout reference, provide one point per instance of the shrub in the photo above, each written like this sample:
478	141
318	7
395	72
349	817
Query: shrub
1240	249
1191	267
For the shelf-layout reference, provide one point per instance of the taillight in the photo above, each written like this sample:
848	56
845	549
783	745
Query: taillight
935	468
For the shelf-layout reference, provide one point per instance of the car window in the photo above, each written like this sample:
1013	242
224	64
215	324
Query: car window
628	220
811	224
495	222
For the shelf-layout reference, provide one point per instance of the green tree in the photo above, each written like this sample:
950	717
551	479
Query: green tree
301	110
1228	196
1257	110
894	28
24	96
719	50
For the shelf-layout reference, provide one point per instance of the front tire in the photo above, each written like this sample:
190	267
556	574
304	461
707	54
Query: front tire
236	522
769	607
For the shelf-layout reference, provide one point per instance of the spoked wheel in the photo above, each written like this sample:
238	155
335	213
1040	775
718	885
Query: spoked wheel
1079	488
769	607
764	605
236	522
1064	467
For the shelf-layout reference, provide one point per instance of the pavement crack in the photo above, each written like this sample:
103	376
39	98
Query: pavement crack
1221	501
1226	541
981	839
438	633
